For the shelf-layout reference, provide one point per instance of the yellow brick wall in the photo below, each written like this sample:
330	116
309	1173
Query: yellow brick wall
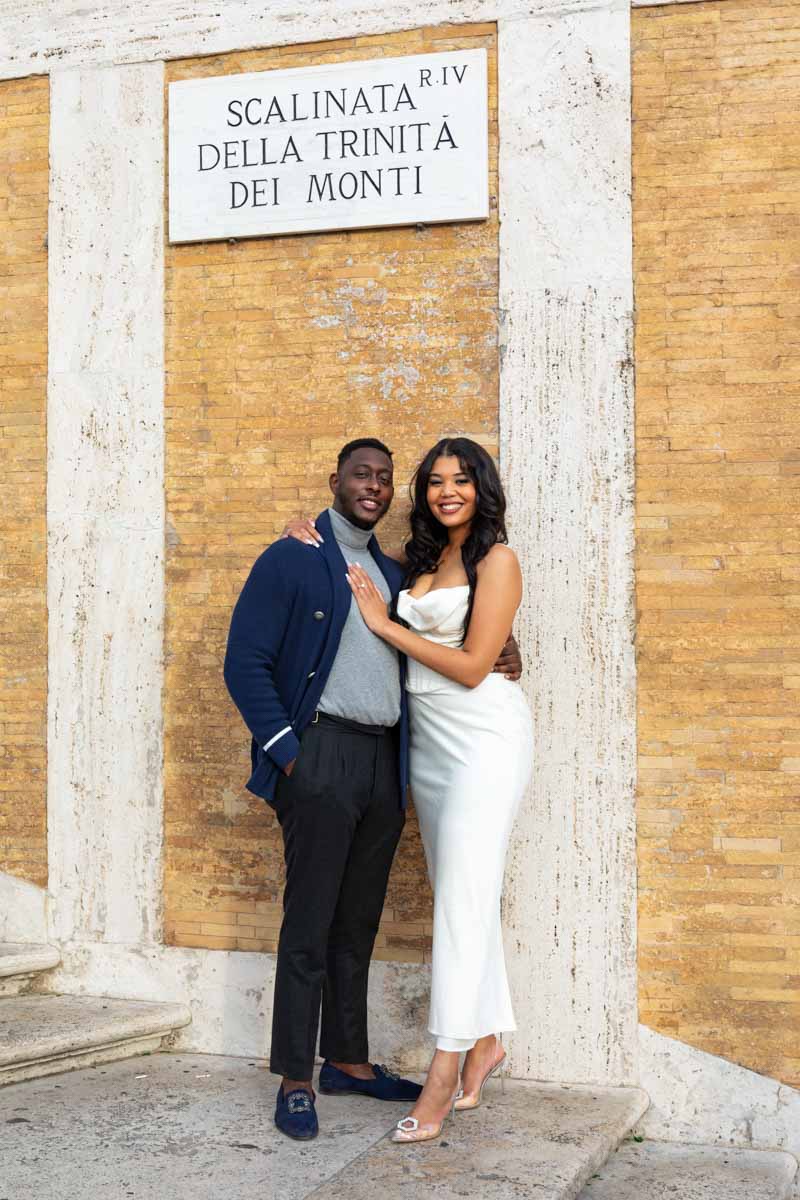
716	93
279	350
24	123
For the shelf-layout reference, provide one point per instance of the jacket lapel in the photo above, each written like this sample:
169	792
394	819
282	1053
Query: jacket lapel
334	560
337	569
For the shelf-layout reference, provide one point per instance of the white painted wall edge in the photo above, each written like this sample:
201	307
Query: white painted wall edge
230	995
23	910
703	1099
39	36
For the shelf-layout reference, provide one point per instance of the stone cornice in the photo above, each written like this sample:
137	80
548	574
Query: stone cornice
43	35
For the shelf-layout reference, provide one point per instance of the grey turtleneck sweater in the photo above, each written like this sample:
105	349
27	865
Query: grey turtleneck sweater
364	683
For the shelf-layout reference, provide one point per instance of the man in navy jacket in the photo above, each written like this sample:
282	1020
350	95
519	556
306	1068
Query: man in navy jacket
332	759
325	704
288	623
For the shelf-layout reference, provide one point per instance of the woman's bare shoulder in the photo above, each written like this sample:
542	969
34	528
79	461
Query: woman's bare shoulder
499	571
500	558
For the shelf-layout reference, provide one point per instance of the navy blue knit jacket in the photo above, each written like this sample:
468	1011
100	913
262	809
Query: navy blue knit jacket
284	635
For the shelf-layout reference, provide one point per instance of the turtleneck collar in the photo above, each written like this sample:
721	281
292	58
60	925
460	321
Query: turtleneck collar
348	534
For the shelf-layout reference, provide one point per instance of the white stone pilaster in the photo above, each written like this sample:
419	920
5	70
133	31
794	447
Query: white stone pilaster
105	503
566	418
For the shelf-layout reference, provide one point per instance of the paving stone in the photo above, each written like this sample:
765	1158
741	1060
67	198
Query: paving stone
187	1126
665	1171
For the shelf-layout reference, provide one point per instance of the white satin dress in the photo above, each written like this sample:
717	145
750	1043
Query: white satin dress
471	759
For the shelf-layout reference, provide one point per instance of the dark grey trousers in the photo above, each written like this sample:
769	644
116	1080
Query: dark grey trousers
341	819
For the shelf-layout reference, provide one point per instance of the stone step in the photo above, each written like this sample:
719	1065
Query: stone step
21	964
41	1035
666	1171
534	1139
200	1127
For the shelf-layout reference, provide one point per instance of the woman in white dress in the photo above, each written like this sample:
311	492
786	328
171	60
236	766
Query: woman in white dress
471	752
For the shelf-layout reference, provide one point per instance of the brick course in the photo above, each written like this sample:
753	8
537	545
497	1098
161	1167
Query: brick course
278	351
24	130
716	89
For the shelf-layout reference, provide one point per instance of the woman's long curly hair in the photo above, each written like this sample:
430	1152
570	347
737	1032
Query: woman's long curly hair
429	537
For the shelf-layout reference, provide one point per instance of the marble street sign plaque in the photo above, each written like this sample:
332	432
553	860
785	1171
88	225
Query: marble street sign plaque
386	141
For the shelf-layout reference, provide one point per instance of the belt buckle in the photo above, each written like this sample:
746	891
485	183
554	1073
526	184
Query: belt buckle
315	721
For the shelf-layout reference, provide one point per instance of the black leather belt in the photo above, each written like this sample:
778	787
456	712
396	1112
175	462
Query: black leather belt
323	718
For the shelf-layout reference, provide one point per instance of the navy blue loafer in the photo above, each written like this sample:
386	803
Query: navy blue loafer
385	1086
295	1114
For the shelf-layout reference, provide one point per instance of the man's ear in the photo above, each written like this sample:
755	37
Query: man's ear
333	482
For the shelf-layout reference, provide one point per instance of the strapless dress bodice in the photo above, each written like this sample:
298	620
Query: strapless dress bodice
438	616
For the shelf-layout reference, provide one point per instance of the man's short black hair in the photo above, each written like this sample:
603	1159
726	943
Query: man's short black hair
360	444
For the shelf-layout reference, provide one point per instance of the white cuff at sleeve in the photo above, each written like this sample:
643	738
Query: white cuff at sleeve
278	736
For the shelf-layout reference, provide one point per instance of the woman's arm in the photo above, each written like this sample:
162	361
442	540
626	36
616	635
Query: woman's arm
497	596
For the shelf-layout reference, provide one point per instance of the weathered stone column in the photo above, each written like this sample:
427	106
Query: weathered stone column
567	451
105	508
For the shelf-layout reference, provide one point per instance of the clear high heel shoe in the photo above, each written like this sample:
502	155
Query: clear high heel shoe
464	1103
409	1129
